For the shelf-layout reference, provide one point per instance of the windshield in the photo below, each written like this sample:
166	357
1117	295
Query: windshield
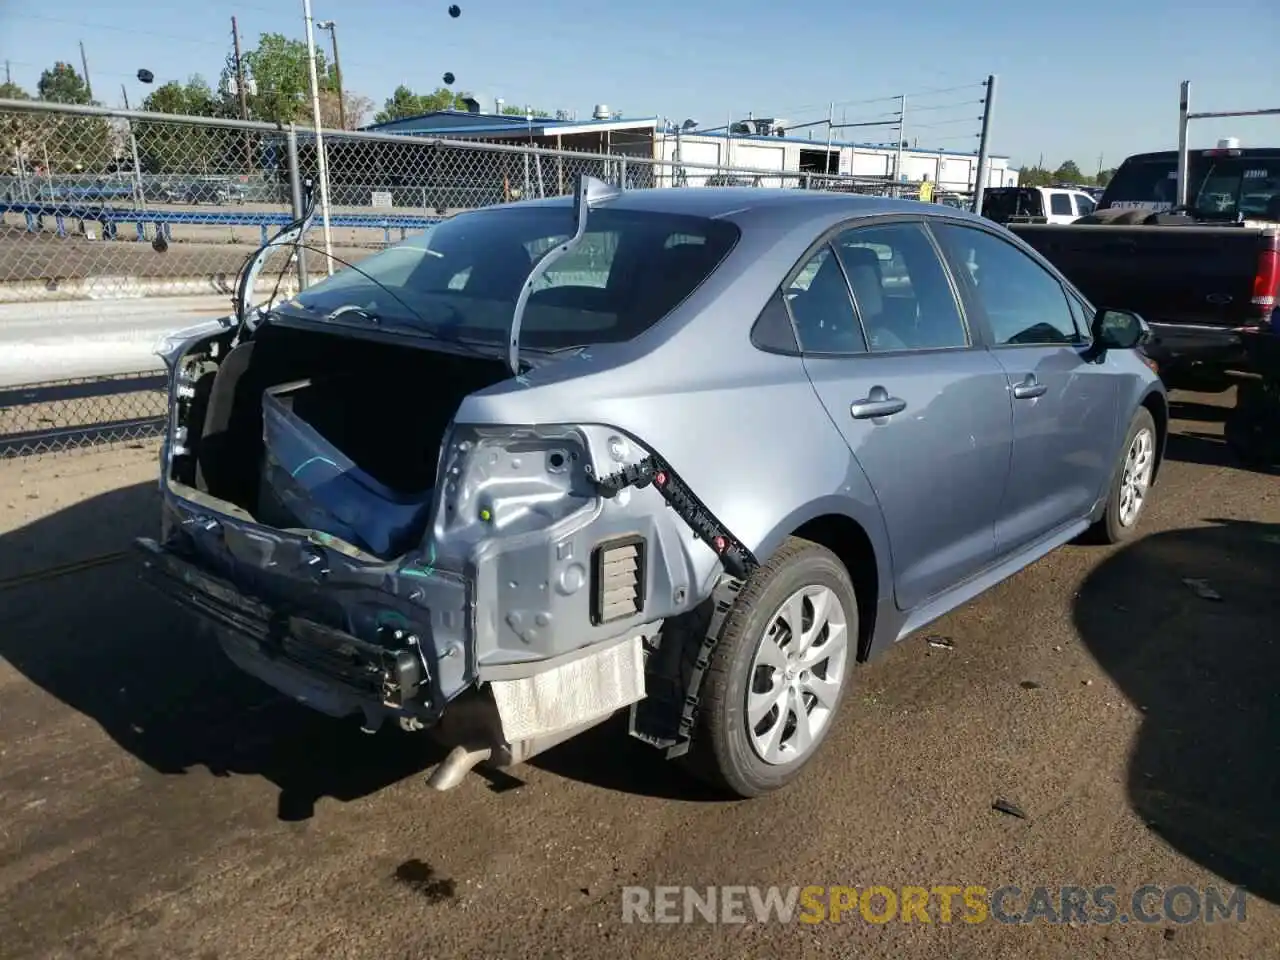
1218	186
1004	203
460	280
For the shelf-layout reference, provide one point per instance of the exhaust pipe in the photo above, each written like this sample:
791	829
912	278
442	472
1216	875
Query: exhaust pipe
472	730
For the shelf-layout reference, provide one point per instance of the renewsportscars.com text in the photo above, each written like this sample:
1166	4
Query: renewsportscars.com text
944	903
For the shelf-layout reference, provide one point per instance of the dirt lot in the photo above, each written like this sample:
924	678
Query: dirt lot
195	252
155	803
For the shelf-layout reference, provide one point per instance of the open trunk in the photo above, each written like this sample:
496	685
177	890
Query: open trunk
328	430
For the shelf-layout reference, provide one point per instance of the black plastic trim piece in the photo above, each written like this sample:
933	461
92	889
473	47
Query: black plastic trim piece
738	561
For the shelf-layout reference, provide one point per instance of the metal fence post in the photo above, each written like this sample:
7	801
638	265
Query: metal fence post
295	194
984	143
622	172
1184	108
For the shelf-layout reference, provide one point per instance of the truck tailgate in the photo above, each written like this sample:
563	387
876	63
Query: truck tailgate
1170	274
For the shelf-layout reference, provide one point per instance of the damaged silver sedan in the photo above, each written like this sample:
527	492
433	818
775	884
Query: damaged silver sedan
555	459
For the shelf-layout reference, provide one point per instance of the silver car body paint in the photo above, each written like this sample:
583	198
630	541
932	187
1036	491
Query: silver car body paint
954	495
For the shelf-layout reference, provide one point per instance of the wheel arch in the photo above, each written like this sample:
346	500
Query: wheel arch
857	538
1157	404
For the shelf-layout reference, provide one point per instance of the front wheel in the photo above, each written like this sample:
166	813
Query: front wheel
1131	485
778	672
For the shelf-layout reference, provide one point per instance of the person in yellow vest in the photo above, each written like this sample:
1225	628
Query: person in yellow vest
926	190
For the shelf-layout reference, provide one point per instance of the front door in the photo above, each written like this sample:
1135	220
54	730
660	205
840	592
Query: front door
1065	407
926	414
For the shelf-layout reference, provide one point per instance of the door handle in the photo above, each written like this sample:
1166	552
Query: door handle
876	404
1030	388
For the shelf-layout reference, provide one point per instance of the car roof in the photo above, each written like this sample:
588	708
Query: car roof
740	204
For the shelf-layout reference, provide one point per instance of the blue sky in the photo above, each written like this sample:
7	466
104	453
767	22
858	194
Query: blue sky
1103	80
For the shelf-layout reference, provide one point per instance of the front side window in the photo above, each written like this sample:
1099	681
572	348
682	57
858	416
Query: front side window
1084	205
1023	302
461	278
901	289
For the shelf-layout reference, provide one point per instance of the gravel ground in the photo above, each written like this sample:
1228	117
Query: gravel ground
155	803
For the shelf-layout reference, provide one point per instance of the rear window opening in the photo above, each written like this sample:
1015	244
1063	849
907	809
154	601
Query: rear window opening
1219	187
460	280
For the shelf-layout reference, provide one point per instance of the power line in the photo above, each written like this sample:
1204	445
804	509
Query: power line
115	27
945	123
946	106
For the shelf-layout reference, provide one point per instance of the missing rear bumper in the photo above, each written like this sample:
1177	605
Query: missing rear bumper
324	667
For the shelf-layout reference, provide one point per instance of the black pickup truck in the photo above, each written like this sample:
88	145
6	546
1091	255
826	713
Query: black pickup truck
1198	275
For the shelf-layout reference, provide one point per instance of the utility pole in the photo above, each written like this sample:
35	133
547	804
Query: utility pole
831	116
139	195
8	74
984	144
84	63
897	165
240	90
321	161
242	94
337	68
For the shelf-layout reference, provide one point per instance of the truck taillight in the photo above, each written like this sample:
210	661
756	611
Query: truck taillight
1266	279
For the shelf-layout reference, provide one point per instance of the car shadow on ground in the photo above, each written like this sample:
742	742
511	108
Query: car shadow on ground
110	647
101	641
1205	768
1196	411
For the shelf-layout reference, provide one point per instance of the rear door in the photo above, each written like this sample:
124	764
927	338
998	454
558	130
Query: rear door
1065	408
925	409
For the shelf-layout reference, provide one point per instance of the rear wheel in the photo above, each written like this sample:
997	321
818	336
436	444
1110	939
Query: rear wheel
778	672
1131	486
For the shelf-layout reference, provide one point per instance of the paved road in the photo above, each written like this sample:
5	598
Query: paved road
156	804
51	341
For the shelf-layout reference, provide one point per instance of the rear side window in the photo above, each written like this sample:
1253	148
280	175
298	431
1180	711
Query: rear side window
819	301
901	290
462	277
1060	205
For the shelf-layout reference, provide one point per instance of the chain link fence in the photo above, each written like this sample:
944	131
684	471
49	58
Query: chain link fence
60	415
101	202
98	203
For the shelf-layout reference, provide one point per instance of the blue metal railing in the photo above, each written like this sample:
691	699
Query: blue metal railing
162	221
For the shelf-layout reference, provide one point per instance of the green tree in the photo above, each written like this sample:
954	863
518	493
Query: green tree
1069	172
282	79
1034	176
61	84
511	111
17	130
403	102
1104	176
71	144
195	98
179	147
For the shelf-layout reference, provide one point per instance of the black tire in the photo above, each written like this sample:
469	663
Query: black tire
1110	529
721	752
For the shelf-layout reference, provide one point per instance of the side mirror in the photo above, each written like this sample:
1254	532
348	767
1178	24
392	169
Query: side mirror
1115	329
